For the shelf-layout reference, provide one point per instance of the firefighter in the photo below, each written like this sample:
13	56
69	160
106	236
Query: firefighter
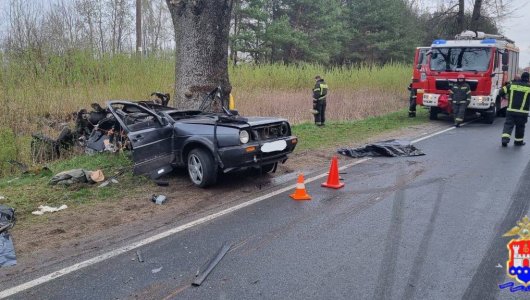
517	111
320	92
460	96
412	101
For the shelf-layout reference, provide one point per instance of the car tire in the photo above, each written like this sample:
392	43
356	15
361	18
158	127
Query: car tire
433	113
201	168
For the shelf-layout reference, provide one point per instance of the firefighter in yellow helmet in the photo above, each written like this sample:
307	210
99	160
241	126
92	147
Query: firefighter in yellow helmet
460	96
320	92
517	111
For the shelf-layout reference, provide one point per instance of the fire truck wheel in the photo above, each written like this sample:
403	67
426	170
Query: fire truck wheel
490	115
501	112
433	113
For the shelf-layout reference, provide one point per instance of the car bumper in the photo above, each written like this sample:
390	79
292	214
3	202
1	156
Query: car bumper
251	154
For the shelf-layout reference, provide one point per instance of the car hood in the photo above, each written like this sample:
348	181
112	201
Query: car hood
238	123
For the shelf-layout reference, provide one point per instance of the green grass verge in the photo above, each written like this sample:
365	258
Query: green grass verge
342	134
26	192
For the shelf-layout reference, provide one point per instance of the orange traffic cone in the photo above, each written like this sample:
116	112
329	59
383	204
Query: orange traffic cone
333	177
300	193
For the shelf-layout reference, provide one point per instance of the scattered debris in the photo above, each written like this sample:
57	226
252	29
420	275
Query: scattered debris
499	266
158	199
109	181
139	256
2	198
45	148
390	148
201	276
45	208
154	271
162	182
7	250
77	176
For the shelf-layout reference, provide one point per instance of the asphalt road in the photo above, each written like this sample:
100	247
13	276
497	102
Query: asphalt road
426	227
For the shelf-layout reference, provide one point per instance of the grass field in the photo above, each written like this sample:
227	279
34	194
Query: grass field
37	92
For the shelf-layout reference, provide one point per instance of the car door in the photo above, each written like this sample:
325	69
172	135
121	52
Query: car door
150	135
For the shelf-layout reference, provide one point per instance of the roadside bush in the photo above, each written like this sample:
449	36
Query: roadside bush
8	151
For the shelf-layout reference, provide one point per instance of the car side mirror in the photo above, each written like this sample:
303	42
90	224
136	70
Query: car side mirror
418	66
505	68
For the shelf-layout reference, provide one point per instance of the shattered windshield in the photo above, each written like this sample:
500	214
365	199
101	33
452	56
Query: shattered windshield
460	59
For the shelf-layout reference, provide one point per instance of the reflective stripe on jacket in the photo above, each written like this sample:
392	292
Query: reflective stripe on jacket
518	93
320	90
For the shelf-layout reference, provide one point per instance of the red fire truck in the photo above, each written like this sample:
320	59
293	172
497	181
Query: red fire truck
488	61
418	78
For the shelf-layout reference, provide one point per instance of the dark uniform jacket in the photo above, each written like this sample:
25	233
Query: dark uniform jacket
320	90
460	92
518	95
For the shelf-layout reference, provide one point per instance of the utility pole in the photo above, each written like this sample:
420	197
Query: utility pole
139	27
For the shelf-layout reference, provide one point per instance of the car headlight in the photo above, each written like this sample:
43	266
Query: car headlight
244	137
284	129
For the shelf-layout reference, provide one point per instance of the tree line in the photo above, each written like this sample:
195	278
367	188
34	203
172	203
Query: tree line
333	32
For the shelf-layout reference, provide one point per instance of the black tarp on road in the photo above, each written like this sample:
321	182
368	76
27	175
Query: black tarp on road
390	148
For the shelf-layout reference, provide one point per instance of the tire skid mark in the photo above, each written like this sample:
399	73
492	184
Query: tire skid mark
419	259
391	248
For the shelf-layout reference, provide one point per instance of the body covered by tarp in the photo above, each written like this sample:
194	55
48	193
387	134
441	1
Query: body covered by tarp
390	148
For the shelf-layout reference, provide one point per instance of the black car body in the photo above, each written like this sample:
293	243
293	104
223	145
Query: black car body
162	137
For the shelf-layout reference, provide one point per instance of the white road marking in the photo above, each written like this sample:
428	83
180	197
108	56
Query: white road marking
440	132
162	235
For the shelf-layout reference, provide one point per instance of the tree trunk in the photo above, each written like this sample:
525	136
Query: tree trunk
461	15
201	37
476	15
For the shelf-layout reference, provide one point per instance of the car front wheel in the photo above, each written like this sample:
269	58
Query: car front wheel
201	168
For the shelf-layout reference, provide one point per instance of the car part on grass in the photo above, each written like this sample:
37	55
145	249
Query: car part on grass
159	199
201	276
44	148
390	148
45	209
161	182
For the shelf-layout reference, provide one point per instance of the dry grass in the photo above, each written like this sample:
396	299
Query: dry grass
342	104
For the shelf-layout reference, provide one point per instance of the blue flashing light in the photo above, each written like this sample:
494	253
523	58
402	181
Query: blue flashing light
488	41
439	42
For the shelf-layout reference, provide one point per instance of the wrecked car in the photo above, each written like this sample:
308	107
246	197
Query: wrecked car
207	143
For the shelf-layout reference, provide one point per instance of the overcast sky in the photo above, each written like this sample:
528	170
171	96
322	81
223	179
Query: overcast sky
515	27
